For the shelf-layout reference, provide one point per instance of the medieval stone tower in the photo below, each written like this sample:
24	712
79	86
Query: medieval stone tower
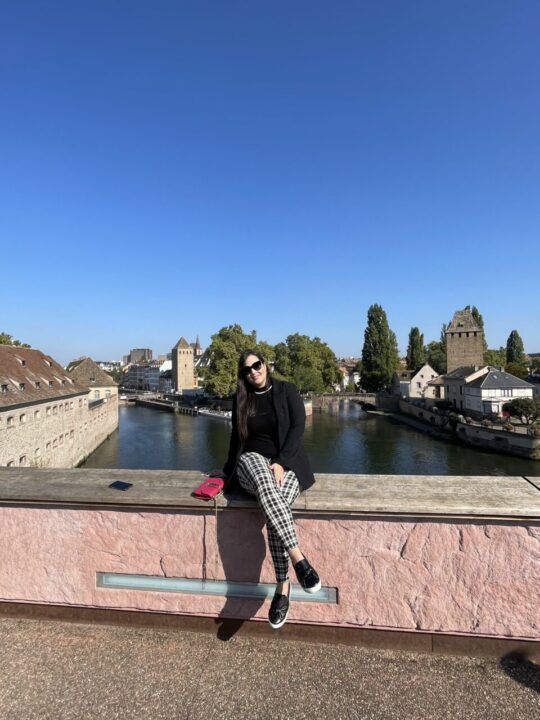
183	372
464	341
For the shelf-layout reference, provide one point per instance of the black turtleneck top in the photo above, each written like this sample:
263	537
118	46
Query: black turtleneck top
262	426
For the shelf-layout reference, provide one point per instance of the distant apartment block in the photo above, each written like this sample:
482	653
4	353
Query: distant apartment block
142	376
46	418
139	355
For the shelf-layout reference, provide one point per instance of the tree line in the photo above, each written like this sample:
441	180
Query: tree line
312	366
6	339
308	362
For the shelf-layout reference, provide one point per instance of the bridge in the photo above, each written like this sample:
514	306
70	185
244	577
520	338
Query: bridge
381	401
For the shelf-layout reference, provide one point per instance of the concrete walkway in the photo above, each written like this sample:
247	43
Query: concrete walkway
61	671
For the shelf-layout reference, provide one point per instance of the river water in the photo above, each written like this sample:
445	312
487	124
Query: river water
343	441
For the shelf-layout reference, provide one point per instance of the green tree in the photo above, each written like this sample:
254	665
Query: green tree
436	356
526	409
117	375
380	357
436	352
309	363
6	339
496	358
517	369
282	362
535	363
266	350
219	378
515	352
416	354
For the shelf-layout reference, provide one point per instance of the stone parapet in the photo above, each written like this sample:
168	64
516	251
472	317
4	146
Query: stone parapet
443	555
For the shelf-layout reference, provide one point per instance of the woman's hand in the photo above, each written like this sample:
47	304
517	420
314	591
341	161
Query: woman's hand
278	471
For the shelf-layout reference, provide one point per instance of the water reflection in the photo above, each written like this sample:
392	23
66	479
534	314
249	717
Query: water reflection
344	440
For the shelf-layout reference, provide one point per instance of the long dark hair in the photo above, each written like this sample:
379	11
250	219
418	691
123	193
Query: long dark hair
244	394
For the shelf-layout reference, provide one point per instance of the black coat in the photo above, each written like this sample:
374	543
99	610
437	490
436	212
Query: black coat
291	420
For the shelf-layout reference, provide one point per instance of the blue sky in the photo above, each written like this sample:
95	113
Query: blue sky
169	168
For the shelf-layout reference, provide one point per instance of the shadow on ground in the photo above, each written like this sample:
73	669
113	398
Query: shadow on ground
518	667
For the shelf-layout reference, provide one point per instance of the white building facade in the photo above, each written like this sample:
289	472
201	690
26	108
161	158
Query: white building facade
488	394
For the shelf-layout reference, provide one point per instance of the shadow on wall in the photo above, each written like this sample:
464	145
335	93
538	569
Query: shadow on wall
242	549
519	668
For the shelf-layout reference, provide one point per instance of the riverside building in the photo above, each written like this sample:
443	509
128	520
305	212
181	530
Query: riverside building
46	417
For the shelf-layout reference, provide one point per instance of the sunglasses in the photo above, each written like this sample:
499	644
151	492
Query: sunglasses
248	368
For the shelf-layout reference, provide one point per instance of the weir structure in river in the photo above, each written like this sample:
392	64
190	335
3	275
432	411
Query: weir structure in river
430	563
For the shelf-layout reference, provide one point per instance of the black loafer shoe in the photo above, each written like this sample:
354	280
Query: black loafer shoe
279	609
307	577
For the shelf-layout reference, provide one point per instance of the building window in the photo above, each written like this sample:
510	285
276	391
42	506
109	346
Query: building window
71	405
22	461
66	406
55	410
96	394
10	421
21	386
80	402
61	407
48	411
10	463
38	384
72	434
22	418
61	439
37	415
507	393
4	389
48	446
418	385
37	452
50	383
108	393
55	443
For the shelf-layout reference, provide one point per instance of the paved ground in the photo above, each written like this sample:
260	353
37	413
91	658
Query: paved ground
59	671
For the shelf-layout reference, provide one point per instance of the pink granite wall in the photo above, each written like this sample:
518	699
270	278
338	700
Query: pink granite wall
447	576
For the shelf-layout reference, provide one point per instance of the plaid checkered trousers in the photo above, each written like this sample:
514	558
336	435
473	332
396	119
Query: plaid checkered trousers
256	477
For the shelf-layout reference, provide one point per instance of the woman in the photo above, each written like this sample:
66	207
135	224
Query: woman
266	458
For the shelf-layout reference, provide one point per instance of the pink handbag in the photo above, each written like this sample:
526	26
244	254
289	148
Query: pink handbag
210	488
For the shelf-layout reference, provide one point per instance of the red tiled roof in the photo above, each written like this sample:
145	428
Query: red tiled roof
28	375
